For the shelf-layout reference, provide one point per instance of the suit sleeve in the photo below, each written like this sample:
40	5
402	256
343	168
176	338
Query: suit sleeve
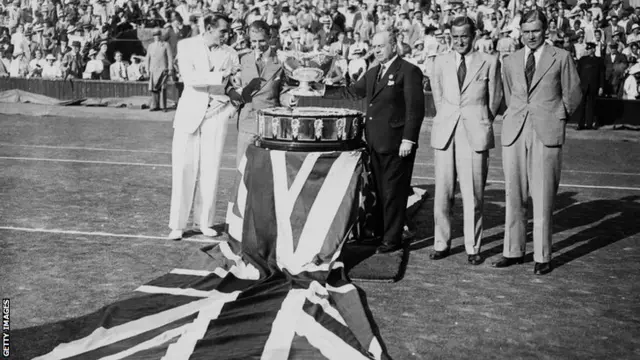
495	87
414	104
570	81
436	83
506	84
354	92
169	57
602	72
190	75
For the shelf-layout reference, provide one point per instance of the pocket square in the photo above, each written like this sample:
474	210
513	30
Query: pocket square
391	83
481	78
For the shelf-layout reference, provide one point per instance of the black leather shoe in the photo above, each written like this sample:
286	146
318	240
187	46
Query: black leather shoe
506	262
154	109
475	259
388	248
437	255
542	268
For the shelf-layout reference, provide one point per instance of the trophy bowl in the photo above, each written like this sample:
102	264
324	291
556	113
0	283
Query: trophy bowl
307	70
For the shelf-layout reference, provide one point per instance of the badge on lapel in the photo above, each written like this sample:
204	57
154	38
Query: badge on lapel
391	82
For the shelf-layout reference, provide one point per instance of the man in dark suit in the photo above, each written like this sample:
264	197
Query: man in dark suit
591	72
615	65
612	29
393	118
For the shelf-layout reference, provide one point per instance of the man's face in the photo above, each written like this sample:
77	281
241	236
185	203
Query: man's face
383	50
76	49
218	35
614	50
553	26
259	41
462	39
118	57
614	22
356	37
533	34
598	35
591	51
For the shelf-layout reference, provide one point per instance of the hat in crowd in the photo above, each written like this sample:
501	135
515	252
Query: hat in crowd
75	43
402	12
285	27
575	12
635	69
614	16
92	52
635	26
325	20
615	2
418	42
594	2
236	25
138	57
447	31
616	32
156	31
505	30
50	57
438	33
590	45
613	45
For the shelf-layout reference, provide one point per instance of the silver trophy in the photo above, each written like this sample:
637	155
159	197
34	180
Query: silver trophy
309	69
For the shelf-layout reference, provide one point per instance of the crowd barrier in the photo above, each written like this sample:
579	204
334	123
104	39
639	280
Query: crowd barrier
609	111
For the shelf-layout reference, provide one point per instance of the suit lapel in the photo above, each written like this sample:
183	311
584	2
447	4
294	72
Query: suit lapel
547	58
392	70
249	68
371	80
451	71
475	64
518	62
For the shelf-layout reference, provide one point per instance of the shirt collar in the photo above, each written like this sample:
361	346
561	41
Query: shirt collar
536	51
388	63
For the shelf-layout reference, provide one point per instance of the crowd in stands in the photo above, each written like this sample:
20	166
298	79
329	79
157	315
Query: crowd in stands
70	38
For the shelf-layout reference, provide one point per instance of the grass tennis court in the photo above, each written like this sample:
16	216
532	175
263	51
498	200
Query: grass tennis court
84	207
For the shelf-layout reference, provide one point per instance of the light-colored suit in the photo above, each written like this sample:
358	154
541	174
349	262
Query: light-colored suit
200	127
271	92
533	133
462	135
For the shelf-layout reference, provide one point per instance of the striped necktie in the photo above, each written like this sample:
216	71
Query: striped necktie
530	69
462	72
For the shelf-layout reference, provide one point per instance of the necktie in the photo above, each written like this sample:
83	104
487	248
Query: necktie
381	73
530	69
260	65
462	72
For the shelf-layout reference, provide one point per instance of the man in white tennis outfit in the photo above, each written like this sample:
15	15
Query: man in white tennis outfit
200	124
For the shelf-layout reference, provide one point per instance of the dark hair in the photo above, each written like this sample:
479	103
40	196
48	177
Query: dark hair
464	21
260	26
533	16
213	20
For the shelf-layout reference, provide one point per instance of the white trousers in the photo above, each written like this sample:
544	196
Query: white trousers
470	167
196	158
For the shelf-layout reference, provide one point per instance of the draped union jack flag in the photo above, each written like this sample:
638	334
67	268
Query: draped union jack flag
276	290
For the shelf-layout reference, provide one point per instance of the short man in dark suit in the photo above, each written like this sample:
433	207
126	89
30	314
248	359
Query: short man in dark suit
591	72
393	118
615	65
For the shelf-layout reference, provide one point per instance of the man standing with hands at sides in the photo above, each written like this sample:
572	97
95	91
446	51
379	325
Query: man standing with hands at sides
591	71
259	85
467	91
159	63
542	90
395	111
200	124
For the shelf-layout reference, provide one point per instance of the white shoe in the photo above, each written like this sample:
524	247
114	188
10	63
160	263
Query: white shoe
175	235
208	232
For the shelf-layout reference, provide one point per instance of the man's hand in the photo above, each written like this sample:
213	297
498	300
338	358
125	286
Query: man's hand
248	91
600	92
405	148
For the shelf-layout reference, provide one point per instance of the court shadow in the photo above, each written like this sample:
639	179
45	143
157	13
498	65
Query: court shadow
607	222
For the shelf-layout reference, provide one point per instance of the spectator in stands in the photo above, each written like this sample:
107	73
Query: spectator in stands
601	46
615	66
36	64
19	64
357	65
51	70
74	61
118	70
634	36
632	52
631	83
592	74
5	63
94	68
136	70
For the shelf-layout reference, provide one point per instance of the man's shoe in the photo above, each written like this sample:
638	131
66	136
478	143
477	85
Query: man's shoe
437	255
542	268
580	128
506	262
154	109
175	235
208	232
407	234
388	248
475	259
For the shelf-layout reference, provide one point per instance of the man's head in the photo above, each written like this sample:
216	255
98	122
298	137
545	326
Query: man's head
598	35
385	46
463	31
590	49
216	29
613	48
613	21
534	27
118	56
259	36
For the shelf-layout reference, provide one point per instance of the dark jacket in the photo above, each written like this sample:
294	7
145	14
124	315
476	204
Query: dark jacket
591	71
395	104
